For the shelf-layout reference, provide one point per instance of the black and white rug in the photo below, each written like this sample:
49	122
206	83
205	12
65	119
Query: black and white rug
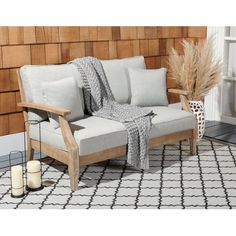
175	180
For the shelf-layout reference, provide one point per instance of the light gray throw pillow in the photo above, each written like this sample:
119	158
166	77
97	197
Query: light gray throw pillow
148	87
63	93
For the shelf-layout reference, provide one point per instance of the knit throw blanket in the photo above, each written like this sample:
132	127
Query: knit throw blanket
99	101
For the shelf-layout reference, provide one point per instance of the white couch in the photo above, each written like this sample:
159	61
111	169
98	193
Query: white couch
93	135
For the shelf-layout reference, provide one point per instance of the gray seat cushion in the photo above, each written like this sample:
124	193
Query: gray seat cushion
94	134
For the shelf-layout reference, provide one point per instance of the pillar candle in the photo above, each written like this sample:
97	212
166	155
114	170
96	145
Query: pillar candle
33	174
17	180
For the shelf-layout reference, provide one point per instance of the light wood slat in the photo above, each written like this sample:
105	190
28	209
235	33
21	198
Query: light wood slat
58	154
88	33
116	33
1	57
53	53
4	125
153	47
16	56
13	80
77	50
56	110
136	47
143	44
69	34
153	62
29	35
16	123
112	50
128	32
47	34
88	49
199	32
3	35
124	49
140	32
4	80
7	102
38	55
16	35
150	32
104	33
101	50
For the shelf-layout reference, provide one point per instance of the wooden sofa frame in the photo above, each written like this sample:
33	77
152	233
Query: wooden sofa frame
71	157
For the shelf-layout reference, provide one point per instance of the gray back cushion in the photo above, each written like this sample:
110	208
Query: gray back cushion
33	75
116	71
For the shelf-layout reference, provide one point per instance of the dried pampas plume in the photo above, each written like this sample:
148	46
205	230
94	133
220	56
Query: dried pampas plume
195	71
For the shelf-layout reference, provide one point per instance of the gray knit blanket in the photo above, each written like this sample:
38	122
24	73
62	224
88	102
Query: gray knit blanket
99	101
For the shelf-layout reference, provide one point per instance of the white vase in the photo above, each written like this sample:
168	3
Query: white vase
197	108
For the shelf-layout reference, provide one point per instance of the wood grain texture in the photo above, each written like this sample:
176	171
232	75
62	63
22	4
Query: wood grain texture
16	56
88	33
69	34
13	80
7	103
38	55
5	80
128	32
53	53
4	35
55	45
4	125
104	33
101	50
199	32
16	123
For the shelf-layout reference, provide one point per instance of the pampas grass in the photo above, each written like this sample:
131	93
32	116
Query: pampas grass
196	71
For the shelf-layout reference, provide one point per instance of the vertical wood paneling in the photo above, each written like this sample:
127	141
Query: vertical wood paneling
116	33
55	45
101	50
199	32
69	34
16	56
53	53
7	102
128	32
16	123
112	50
153	47
4	80
124	49
3	35
38	54
88	33
29	35
104	33
16	35
143	44
4	125
13	80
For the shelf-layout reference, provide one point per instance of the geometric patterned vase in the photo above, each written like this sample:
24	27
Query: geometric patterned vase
197	108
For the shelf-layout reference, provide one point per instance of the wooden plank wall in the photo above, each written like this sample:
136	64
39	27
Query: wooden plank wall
55	45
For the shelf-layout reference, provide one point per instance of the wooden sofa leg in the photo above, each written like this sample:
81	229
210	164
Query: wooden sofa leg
30	151
193	142
74	170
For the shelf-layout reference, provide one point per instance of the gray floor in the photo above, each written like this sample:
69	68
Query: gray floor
220	131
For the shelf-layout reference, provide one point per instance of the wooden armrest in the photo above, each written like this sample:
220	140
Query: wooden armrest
43	107
178	91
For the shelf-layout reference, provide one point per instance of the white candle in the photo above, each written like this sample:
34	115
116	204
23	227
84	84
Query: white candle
33	174
17	180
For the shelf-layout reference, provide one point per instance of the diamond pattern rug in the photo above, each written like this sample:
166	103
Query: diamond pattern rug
175	180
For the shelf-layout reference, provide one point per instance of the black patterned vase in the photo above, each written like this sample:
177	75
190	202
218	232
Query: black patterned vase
197	108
